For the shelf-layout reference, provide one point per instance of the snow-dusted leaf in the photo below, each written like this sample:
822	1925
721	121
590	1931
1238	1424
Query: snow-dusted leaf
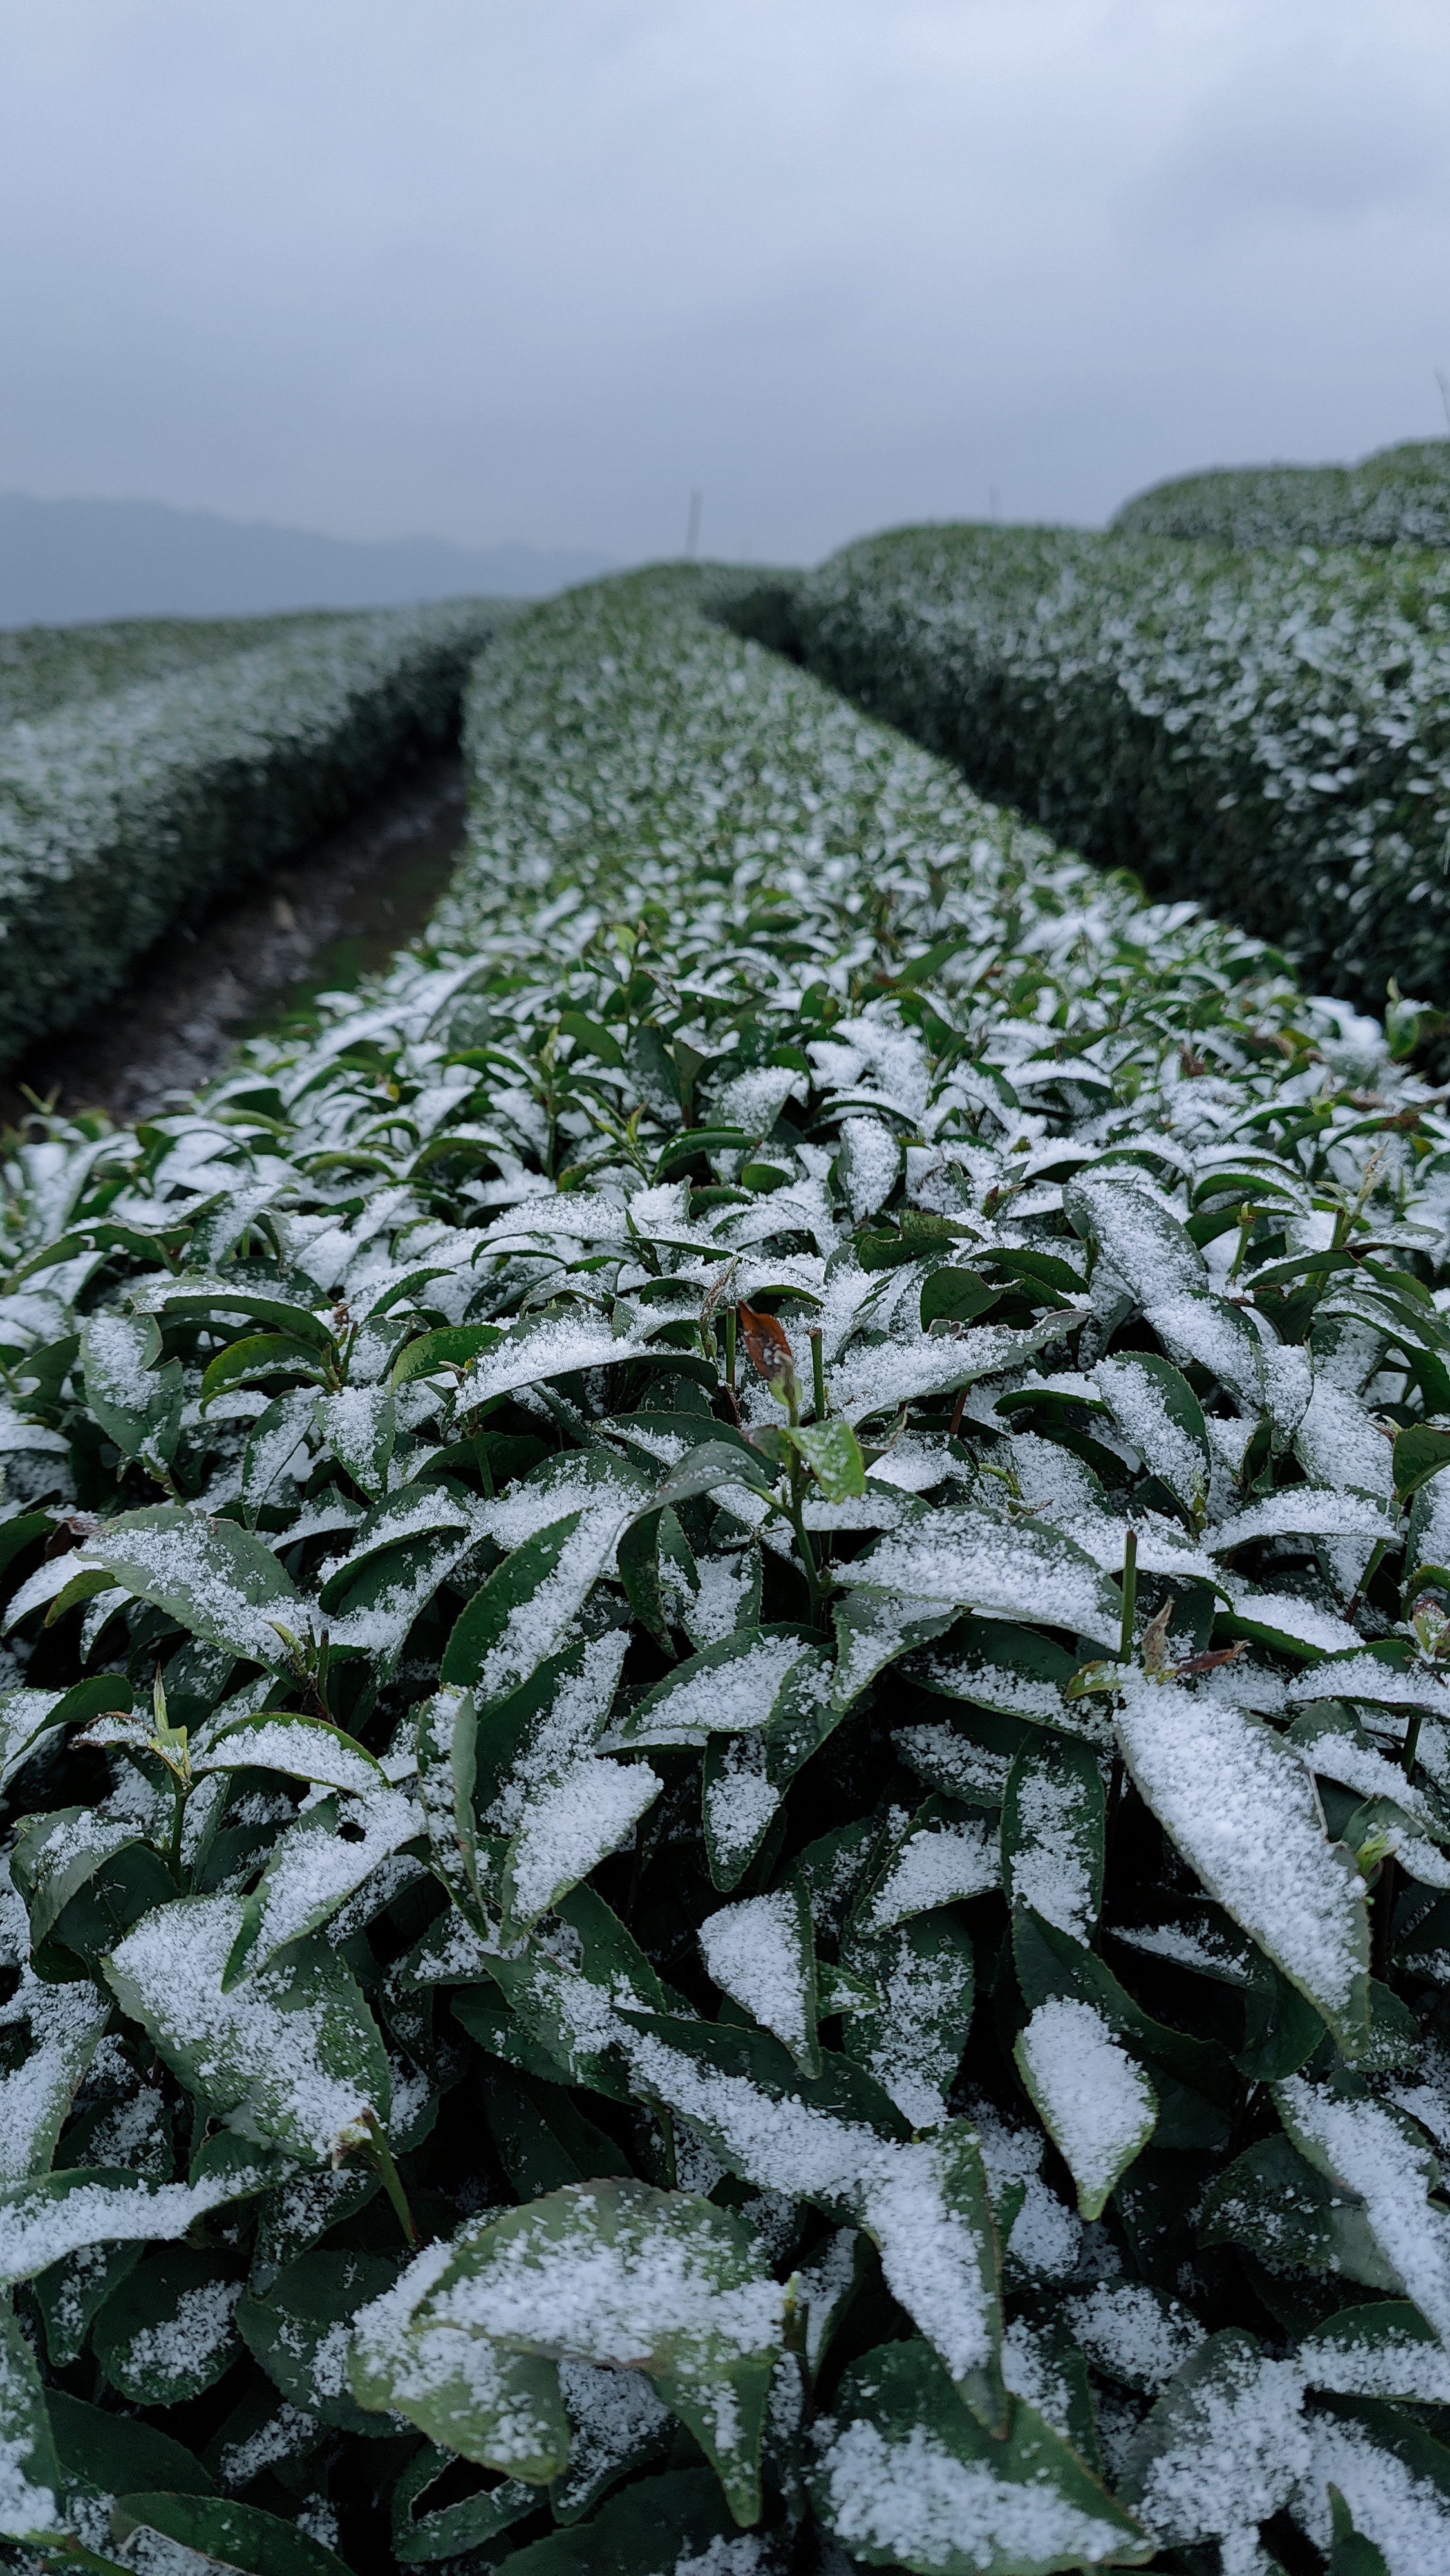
43	2221
1242	1811
314	1867
523	1611
573	1820
1095	2101
497	2405
306	1748
167	2334
924	1973
1372	2150
942	1858
291	2059
1004	1569
874	1378
218	2531
1377	2497
730	1689
761	1952
872	1629
616	2423
359	1424
619	2274
1133	2332
30	2480
1053	1828
301	2330
1224	2447
1386	2350
217	1579
904	2478
924	2203
1303	1511
1285	2211
137	1404
1154	1406
424	2532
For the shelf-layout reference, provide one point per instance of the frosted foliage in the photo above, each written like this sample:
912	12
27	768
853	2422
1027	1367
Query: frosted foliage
1240	1808
917	2039
537	1626
611	2414
723	1591
310	1753
1095	2099
37	2231
192	2338
26	2506
754	1952
728	1698
243	2043
921	2502
566	1732
1238	2448
699	886
873	1161
312	1871
930	2256
615	2298
979	1562
1140	1410
1373	2151
935	1867
740	1800
1132	2335
572	1823
1405	2516
1051	1871
967	1770
1030	2372
1356	2364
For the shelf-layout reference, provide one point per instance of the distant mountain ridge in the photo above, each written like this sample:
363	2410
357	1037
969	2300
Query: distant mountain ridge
67	562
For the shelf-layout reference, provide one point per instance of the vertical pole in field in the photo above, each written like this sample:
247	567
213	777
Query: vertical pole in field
692	530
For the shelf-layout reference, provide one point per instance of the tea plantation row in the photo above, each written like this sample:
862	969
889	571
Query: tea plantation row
1398	497
1268	733
727	1747
143	770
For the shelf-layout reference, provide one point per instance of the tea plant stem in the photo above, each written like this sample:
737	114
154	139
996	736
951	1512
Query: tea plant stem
392	2181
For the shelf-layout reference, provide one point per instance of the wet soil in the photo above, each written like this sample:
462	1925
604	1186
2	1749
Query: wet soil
318	923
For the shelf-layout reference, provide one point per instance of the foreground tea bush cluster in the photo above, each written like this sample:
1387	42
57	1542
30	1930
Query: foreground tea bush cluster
1270	733
142	771
1399	497
727	1747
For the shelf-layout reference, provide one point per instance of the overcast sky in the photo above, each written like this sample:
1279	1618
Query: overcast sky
536	268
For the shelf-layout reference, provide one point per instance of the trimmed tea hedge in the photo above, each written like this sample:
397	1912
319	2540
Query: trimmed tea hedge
42	667
728	1758
122	814
1397	497
1269	734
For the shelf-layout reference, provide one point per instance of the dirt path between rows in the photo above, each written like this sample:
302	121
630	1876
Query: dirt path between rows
322	920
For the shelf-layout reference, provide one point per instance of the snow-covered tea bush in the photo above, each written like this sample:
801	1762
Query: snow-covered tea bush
1399	496
42	667
1268	733
728	1752
124	812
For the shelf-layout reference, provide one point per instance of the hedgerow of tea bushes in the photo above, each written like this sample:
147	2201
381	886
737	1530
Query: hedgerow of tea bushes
728	1747
1400	496
123	814
1269	734
42	667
